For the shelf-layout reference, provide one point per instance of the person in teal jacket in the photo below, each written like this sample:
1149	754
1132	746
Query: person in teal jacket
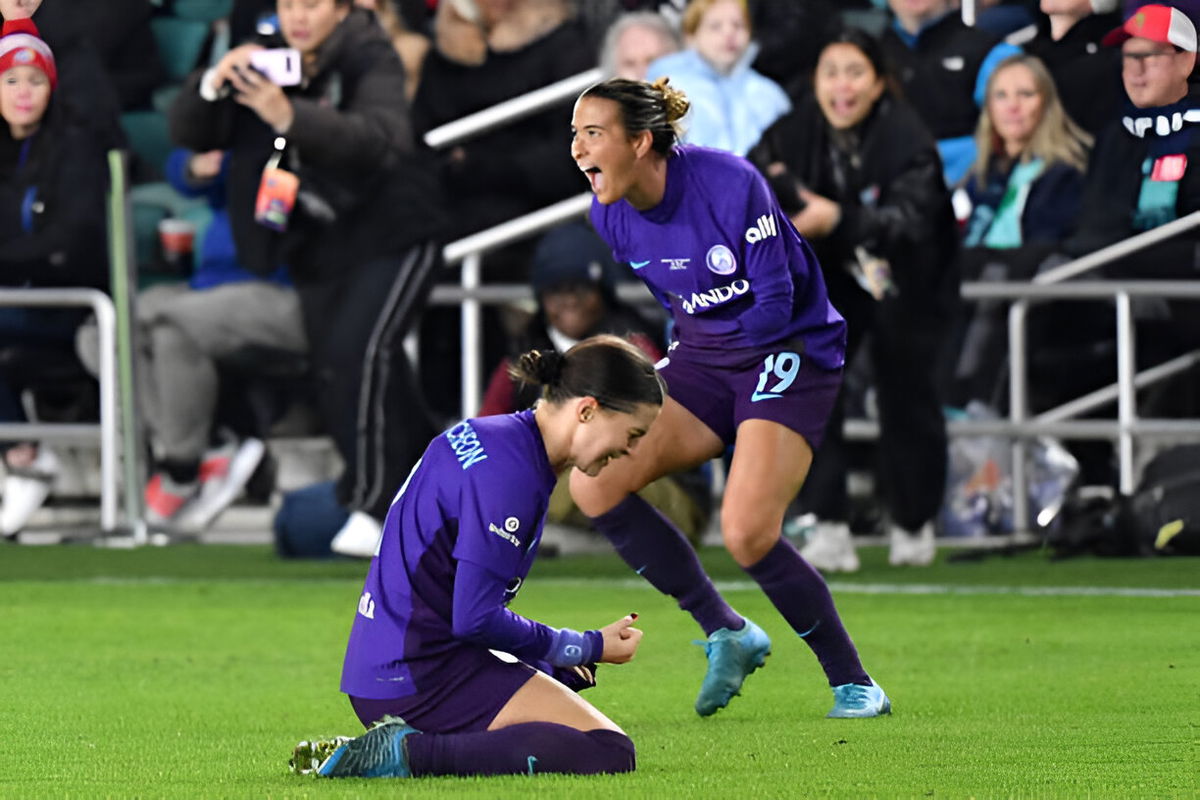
732	104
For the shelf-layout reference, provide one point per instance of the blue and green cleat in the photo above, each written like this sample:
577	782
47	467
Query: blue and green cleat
378	753
307	757
732	655
852	701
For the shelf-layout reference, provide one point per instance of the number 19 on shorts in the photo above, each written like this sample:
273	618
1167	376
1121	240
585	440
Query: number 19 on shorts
779	371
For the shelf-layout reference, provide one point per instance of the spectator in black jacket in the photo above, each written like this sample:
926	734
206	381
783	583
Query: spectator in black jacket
1086	73
942	66
52	184
359	240
860	175
1025	189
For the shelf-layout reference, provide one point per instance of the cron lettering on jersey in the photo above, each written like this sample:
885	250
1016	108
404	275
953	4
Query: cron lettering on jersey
764	228
716	296
508	534
465	444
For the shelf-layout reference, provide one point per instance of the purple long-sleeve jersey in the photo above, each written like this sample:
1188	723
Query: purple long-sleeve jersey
458	542
723	258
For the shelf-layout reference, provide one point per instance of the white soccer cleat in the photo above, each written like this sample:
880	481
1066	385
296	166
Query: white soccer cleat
830	548
912	549
26	489
359	537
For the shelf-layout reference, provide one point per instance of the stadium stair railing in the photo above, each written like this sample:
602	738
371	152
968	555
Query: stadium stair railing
1019	426
116	439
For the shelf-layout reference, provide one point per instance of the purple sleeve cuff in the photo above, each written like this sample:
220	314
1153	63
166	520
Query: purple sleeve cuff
571	648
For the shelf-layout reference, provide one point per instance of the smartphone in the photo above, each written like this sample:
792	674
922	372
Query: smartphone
281	65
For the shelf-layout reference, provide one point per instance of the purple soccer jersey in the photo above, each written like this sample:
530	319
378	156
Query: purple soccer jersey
458	541
723	258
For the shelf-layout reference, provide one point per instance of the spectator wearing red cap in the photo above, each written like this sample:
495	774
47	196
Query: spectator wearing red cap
52	178
1144	172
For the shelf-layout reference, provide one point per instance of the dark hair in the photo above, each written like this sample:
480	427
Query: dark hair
605	367
870	47
654	107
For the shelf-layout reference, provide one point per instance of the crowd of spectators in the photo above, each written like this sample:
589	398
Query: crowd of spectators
914	151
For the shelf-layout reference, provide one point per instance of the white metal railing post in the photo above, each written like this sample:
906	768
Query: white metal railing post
1018	404
472	337
106	326
1127	396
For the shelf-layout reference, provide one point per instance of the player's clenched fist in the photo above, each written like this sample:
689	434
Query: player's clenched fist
621	640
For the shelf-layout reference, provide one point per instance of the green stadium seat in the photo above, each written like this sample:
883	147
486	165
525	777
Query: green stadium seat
180	44
149	141
203	10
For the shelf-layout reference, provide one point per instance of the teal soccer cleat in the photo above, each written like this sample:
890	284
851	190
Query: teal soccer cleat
852	700
308	756
732	655
378	753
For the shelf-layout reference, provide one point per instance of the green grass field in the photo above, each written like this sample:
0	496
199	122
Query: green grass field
191	672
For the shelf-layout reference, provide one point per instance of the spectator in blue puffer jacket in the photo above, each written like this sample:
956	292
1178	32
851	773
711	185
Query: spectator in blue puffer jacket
732	104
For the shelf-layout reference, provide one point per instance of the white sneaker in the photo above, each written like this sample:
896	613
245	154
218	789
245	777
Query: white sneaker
359	537
223	474
26	488
912	549
830	548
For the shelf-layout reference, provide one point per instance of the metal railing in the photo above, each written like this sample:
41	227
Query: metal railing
471	294
104	433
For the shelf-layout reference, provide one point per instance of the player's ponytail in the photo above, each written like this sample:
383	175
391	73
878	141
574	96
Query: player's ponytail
605	367
656	107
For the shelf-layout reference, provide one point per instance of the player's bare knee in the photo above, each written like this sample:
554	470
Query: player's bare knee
747	544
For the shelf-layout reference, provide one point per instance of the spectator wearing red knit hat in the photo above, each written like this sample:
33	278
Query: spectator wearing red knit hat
52	180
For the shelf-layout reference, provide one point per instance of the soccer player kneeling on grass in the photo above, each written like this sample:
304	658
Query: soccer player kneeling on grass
458	542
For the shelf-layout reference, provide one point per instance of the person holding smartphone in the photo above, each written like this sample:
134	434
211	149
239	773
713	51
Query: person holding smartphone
323	177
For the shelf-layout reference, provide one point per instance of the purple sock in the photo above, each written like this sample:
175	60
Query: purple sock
526	749
800	594
657	551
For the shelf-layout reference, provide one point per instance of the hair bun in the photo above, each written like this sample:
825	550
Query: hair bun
544	366
675	102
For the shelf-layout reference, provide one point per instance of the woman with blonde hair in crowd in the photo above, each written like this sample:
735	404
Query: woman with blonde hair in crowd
1024	189
1025	183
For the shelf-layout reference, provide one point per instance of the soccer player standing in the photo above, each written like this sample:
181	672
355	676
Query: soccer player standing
457	544
756	363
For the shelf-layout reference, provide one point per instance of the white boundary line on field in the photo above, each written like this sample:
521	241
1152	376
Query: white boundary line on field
847	587
842	587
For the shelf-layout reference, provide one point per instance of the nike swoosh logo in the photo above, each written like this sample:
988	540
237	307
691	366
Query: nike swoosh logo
638	264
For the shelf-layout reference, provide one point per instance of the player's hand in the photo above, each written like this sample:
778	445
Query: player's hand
621	640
